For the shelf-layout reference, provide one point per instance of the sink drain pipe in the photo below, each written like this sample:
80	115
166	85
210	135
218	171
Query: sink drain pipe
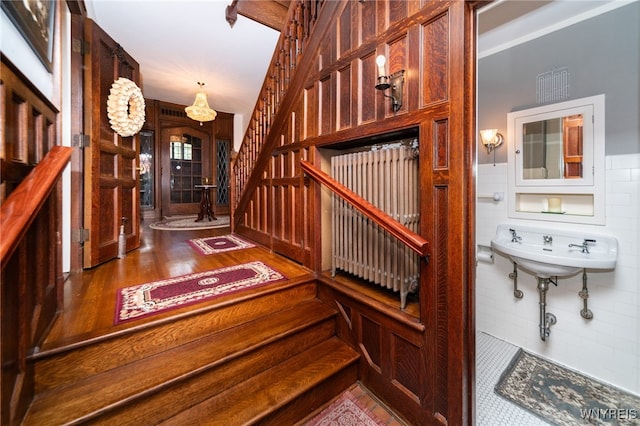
547	319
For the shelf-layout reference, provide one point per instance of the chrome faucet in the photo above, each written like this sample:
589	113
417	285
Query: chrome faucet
584	246
548	239
514	237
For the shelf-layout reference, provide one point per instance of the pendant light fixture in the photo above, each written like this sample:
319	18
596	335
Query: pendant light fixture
200	110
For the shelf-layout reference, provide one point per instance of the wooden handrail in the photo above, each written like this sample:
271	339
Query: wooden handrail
412	240
283	81
22	206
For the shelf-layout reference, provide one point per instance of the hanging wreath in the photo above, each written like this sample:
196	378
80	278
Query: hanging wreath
125	107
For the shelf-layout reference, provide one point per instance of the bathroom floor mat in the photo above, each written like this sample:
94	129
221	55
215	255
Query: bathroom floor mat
565	397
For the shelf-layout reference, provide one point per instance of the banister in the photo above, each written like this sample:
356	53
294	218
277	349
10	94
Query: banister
283	77
22	206
412	240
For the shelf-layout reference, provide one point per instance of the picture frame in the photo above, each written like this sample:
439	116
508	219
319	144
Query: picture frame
35	20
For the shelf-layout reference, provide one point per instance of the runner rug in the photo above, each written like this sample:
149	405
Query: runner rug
565	397
142	300
346	411
222	243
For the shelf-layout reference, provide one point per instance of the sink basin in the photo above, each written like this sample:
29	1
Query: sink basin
554	257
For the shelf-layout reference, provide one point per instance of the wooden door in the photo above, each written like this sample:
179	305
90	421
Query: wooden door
110	180
186	160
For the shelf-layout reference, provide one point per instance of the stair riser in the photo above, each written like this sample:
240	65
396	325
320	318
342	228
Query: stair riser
79	363
175	398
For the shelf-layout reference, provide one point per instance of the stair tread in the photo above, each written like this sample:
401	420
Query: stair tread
264	393
74	363
79	400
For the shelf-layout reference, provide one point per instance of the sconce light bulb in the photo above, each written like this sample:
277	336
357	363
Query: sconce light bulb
381	61
488	136
491	139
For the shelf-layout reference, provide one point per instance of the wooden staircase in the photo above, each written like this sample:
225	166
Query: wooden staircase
271	359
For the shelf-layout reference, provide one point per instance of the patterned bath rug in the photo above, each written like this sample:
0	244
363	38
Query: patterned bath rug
565	397
142	300
220	244
346	411
188	223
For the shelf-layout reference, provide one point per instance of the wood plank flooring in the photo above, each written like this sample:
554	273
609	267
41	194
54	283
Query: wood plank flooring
90	296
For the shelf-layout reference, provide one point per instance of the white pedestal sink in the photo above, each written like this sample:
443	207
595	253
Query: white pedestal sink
555	253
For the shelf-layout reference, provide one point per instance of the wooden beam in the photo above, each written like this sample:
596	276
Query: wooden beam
273	14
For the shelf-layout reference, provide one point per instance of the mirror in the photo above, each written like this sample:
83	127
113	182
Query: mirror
554	144
553	148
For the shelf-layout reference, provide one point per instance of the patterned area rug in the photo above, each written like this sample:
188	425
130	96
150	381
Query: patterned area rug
188	223
222	243
142	300
564	397
345	411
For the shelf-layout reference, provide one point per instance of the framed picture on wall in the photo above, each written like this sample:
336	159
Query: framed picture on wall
35	19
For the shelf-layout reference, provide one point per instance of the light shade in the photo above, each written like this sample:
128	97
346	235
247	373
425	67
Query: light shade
491	139
200	110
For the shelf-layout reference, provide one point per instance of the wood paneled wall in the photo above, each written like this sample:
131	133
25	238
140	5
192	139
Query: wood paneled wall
161	115
30	222
427	376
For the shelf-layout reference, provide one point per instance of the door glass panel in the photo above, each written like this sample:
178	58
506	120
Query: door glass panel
222	173
186	168
146	169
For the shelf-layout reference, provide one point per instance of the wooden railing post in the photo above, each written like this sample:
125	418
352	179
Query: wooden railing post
30	225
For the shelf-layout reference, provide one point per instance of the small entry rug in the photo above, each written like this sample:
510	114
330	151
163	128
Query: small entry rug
160	296
565	397
346	411
188	223
222	243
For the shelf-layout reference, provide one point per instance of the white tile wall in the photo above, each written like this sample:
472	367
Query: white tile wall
606	347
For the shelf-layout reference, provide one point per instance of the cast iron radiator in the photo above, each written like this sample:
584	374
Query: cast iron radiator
387	177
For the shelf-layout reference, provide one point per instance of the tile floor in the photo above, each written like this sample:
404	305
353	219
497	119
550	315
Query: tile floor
492	358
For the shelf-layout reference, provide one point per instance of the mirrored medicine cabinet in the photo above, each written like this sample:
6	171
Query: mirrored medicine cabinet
556	161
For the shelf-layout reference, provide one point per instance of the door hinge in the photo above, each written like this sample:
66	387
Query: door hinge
81	141
80	235
80	46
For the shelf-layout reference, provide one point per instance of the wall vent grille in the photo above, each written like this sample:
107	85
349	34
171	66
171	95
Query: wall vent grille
552	86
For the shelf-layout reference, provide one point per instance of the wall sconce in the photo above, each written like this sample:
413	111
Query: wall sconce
491	139
394	81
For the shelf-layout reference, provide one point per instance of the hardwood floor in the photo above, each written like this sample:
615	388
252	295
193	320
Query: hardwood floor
90	296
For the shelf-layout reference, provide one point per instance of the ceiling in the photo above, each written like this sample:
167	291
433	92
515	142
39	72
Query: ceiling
181	42
506	23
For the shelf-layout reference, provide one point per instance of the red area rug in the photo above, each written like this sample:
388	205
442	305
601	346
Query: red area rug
346	411
142	300
213	245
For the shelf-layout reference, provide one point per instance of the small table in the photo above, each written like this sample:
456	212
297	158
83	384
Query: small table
206	210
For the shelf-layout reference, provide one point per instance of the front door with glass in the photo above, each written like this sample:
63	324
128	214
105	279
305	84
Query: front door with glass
185	164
